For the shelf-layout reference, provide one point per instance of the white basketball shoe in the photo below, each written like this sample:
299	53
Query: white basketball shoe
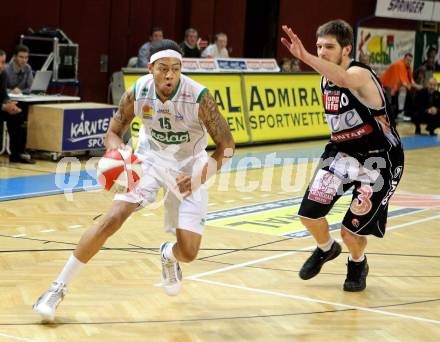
47	304
171	274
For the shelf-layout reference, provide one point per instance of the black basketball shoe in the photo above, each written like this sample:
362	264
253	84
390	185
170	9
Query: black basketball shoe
356	276
314	263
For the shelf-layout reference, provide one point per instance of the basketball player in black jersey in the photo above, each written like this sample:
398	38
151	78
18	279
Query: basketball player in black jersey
364	153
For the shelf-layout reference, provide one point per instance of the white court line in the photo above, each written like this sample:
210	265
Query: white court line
47	230
16	338
313	300
276	256
244	264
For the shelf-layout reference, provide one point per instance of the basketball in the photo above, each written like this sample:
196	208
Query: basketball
119	171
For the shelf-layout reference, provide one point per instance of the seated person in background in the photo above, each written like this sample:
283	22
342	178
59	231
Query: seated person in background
426	70
189	45
155	36
11	114
290	65
428	107
397	80
430	62
364	58
218	49
19	76
420	76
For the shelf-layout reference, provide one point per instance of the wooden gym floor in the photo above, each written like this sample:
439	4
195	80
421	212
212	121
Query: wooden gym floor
244	284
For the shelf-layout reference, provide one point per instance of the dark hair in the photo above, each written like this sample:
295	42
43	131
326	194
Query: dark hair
2	52
20	48
164	44
338	28
190	30
431	48
156	29
408	54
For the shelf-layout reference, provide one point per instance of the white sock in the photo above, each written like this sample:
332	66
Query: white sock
401	101
362	257
325	247
71	269
168	252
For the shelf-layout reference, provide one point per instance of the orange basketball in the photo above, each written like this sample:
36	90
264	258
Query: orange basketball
119	171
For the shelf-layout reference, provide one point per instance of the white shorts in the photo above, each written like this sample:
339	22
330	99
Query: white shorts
184	213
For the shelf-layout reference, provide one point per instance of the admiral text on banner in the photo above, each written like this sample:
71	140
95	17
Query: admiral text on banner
283	107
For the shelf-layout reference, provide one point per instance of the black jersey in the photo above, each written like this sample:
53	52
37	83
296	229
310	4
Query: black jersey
356	127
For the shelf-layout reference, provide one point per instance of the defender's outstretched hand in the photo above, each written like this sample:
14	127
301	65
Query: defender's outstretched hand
294	44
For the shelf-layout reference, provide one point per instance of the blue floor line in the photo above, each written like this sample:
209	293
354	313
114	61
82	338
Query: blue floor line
52	184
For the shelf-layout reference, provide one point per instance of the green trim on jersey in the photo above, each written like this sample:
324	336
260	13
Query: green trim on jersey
172	94
134	90
203	92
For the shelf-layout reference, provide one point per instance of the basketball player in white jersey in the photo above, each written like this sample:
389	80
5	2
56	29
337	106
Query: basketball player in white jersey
177	114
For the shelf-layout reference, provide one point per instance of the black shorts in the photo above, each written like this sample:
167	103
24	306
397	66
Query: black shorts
374	176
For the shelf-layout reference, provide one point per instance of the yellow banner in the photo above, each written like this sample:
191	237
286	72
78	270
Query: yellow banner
226	90
437	77
285	106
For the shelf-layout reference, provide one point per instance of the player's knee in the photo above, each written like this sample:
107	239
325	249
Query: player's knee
347	236
111	223
309	222
305	220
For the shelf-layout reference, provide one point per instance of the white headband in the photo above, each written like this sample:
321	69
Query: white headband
165	53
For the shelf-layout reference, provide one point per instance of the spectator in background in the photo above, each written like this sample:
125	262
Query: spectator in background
420	76
426	70
18	72
397	80
364	58
290	65
428	107
429	63
11	113
189	45
155	36
218	49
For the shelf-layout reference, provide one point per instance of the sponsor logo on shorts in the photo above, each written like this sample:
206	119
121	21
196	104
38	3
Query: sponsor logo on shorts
398	171
394	182
355	223
324	188
179	116
171	138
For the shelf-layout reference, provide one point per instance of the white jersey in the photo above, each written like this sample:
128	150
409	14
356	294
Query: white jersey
171	133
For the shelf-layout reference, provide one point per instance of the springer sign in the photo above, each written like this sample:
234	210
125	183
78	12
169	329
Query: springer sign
408	9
